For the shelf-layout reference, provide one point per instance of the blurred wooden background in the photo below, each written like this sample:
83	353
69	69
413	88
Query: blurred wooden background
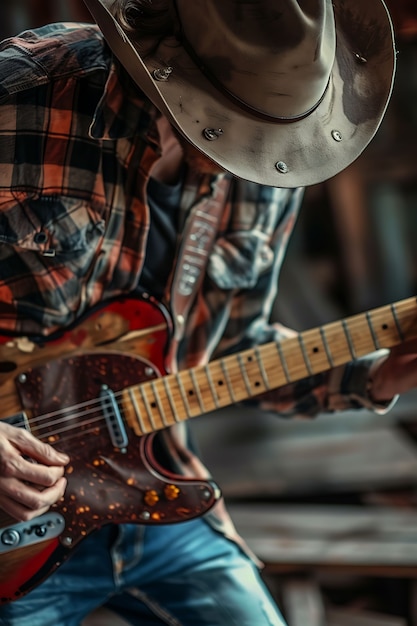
329	504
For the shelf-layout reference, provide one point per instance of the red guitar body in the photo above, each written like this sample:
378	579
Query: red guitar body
67	392
101	390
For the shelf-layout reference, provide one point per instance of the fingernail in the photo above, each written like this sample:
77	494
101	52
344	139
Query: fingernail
63	457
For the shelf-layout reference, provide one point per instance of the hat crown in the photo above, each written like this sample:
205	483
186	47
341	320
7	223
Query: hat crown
327	66
274	56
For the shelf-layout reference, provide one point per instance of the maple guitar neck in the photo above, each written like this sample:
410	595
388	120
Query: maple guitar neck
163	402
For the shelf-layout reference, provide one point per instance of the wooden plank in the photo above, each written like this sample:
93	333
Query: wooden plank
337	617
254	454
326	463
303	603
377	540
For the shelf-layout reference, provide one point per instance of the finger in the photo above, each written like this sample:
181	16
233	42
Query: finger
396	375
27	444
25	501
407	347
45	476
19	468
19	512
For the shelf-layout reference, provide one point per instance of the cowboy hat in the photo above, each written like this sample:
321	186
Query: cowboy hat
285	93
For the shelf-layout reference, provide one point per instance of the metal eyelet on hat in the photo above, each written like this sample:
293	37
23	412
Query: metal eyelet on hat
211	134
337	135
162	73
282	167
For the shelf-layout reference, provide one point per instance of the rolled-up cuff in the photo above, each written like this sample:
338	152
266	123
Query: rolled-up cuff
349	386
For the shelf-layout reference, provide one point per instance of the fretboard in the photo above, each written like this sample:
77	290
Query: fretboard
164	401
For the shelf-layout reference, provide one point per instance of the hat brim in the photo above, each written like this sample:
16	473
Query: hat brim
314	148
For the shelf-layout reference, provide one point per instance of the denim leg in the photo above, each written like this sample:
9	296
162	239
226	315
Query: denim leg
84	582
190	575
180	575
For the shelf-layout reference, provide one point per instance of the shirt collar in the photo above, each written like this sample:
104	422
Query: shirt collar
123	111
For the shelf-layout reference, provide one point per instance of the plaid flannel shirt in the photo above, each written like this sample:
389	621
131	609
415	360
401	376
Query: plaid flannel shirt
77	142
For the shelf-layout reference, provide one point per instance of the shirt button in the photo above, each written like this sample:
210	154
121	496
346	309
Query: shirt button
40	237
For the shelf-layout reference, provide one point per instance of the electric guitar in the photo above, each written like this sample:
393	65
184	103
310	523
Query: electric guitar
100	391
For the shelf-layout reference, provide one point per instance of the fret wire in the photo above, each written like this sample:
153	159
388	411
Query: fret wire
183	395
262	367
159	403
373	333
148	407
244	374
211	385
283	361
170	399
197	390
138	404
397	323
349	339
228	382
326	346
137	411
305	356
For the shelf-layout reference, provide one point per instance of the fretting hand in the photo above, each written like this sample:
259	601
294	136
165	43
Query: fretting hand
396	373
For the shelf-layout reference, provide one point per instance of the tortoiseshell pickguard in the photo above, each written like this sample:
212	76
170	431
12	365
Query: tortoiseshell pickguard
56	386
105	484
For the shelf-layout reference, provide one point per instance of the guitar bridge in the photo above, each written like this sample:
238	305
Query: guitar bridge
22	534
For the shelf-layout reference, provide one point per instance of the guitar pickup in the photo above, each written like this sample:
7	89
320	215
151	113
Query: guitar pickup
113	417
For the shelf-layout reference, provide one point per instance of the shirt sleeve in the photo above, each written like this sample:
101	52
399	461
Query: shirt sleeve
342	388
339	388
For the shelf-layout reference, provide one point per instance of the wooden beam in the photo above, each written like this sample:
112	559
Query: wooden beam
303	603
367	540
353	618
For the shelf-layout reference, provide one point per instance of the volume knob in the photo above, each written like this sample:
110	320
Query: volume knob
10	537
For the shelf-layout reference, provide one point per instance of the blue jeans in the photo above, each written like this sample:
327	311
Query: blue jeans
179	575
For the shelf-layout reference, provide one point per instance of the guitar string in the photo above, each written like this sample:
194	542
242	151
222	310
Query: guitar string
91	403
68	422
69	426
81	432
68	418
72	438
63	414
81	409
95	422
44	422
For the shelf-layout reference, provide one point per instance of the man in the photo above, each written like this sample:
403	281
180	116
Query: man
175	167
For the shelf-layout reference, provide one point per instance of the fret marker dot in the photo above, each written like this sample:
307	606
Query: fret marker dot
315	350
